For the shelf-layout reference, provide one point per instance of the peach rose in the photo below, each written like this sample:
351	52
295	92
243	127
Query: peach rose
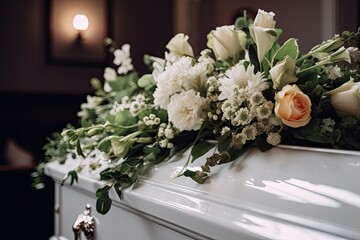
292	106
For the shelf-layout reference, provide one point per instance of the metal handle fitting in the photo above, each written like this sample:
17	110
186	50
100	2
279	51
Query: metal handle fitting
85	223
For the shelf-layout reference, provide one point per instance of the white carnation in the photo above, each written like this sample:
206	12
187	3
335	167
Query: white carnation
171	81
187	110
197	78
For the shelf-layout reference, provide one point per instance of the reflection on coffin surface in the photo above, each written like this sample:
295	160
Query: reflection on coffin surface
285	193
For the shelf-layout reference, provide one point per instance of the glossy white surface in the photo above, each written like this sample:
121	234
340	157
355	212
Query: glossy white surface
279	194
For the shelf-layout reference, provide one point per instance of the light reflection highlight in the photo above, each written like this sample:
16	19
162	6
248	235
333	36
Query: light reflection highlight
341	195
290	192
275	230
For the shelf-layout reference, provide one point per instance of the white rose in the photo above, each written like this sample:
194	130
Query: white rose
180	46
263	32
346	98
187	110
283	73
226	42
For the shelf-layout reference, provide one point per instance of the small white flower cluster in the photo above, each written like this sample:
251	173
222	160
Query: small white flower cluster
110	75
165	134
123	60
151	120
254	116
92	103
205	57
327	125
212	94
241	111
135	105
333	72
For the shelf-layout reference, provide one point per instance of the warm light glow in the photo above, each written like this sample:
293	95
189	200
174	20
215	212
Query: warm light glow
80	22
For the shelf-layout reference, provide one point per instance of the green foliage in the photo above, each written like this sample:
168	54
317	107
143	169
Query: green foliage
290	48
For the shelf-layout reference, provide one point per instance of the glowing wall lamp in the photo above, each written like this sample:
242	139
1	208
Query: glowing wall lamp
80	23
76	31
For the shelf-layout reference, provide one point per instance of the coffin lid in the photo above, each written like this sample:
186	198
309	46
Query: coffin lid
285	193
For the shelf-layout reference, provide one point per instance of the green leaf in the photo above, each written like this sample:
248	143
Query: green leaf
197	176
133	161
200	149
103	205
240	23
105	146
118	190
272	32
125	118
262	144
103	193
78	149
224	141
225	157
103	202
235	154
151	149
311	132
73	177
146	81
189	173
266	65
253	57
289	48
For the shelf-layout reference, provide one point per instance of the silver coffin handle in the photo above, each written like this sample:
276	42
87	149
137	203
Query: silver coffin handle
84	223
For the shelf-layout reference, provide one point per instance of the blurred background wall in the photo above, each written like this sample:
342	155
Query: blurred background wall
38	97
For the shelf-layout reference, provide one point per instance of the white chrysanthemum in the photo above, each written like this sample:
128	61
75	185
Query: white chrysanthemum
227	110
273	138
250	131
242	117
186	110
257	98
171	81
244	80
264	110
241	137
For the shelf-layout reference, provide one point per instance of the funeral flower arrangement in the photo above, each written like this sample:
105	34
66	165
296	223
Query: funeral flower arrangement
245	89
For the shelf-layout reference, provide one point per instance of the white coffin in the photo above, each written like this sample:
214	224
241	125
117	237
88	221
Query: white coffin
281	194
